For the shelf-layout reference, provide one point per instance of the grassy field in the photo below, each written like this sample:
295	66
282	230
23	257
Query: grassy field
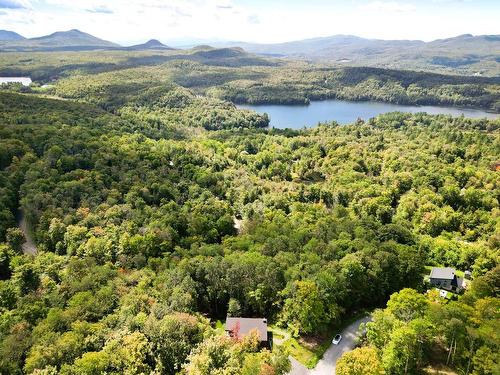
305	356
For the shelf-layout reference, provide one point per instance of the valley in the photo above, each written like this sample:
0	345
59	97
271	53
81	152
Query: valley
164	191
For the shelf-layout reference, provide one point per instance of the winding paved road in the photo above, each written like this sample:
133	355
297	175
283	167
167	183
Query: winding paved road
326	366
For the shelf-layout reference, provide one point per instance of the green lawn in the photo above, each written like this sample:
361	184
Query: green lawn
278	336
305	356
301	353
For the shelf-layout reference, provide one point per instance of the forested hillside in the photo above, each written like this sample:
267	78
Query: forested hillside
133	196
234	75
463	54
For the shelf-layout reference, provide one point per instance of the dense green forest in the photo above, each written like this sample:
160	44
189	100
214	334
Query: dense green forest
234	75
156	212
414	330
158	207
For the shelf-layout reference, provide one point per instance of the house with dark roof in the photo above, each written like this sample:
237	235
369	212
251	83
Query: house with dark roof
239	327
445	278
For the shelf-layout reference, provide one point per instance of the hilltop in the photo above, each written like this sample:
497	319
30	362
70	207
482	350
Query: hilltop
150	44
463	54
6	35
58	41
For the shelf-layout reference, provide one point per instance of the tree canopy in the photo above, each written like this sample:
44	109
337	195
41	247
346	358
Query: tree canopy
156	212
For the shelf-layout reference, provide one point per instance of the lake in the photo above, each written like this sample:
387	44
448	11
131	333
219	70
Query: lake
25	81
345	112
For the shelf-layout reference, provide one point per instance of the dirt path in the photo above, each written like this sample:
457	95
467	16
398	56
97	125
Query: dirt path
29	247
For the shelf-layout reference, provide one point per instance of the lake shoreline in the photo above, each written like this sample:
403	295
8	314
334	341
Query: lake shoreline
302	104
283	116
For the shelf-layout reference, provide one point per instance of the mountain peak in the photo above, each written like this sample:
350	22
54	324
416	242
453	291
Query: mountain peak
150	44
154	42
72	32
63	40
6	35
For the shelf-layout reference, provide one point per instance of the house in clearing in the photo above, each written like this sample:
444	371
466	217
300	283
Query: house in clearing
445	278
239	327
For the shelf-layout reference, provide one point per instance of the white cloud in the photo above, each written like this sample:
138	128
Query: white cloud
389	6
451	1
139	20
263	21
14	4
100	9
253	18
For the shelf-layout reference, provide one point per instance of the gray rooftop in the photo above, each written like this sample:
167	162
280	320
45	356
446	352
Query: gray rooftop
245	325
445	273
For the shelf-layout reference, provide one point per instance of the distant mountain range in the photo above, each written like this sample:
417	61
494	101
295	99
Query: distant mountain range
464	54
338	46
61	40
72	40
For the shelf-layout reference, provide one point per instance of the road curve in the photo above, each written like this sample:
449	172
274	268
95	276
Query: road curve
297	367
326	366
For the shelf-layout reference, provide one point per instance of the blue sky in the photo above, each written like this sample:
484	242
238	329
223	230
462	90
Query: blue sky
182	21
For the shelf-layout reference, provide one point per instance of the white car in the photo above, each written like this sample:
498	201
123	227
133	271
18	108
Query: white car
336	339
